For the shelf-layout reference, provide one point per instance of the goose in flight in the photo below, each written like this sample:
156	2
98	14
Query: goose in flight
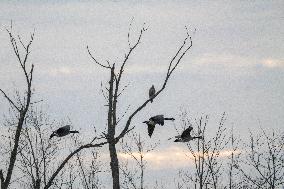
186	136
62	131
152	92
158	119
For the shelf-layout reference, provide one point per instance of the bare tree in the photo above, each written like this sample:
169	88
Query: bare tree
57	171
114	90
38	155
198	152
206	154
233	161
215	147
89	170
20	105
137	152
72	176
37	152
263	166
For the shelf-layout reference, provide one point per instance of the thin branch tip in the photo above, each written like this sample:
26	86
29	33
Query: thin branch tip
95	60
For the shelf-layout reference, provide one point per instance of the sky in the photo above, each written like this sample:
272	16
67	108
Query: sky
236	64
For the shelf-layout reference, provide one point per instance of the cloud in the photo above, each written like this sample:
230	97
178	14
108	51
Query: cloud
173	157
90	70
146	68
61	71
273	63
56	71
225	60
214	64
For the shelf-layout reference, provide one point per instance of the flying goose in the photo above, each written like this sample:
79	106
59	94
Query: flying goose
62	131
186	136
152	92
158	119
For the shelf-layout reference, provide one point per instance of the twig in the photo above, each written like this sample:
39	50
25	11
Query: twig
9	99
108	67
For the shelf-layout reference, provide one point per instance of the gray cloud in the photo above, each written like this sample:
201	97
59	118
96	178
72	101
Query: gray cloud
235	65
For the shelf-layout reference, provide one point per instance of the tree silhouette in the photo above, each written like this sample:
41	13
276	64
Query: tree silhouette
20	105
114	90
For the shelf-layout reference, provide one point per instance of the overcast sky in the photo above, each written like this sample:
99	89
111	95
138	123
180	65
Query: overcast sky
236	64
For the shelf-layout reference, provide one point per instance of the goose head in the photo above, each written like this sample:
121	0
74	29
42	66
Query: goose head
53	134
178	140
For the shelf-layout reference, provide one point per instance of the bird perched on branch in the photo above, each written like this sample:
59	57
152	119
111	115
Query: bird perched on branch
62	131
152	92
186	136
158	119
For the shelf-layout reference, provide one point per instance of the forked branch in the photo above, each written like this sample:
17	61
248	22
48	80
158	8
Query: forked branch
22	108
65	161
175	61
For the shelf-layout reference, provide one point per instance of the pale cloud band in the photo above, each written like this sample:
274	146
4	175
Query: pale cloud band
173	157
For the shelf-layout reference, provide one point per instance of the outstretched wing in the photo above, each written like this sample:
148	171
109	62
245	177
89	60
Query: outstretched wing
63	130
150	129
158	119
186	132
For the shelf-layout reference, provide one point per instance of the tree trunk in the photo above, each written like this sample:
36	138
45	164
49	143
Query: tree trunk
114	166
14	152
111	134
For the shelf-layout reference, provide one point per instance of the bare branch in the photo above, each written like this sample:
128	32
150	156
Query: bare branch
128	35
1	177
141	149
108	67
10	101
50	181
82	171
169	72
113	93
21	110
123	89
125	60
14	45
123	115
22	42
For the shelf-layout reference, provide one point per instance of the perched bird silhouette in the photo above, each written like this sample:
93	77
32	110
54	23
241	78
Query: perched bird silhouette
152	92
186	136
158	119
62	131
